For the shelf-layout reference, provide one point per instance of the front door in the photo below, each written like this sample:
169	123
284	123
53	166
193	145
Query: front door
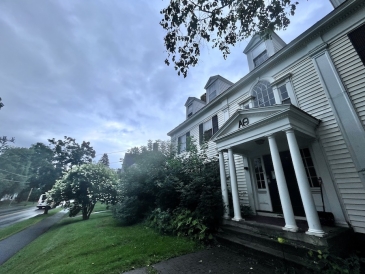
263	194
291	182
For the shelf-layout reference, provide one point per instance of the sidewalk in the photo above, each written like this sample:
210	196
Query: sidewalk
11	245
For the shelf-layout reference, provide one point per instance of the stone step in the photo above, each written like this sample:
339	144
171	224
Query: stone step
269	240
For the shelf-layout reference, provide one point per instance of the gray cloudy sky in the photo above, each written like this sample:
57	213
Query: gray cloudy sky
94	71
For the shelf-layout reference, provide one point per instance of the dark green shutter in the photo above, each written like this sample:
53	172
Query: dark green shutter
178	145
215	123
188	141
201	137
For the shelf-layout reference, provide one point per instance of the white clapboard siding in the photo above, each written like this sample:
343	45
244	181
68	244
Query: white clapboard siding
351	71
234	105
241	180
312	99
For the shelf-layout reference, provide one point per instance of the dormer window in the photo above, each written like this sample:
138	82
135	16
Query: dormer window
262	57
190	110
212	94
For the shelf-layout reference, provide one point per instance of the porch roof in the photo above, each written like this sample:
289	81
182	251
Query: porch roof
247	125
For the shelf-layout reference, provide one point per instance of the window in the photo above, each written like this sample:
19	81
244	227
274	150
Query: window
309	167
190	110
262	57
284	95
207	129
183	143
259	173
263	94
357	38
212	95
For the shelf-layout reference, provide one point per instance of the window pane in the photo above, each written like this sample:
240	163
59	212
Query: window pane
263	95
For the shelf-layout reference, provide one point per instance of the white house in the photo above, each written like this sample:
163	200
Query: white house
296	120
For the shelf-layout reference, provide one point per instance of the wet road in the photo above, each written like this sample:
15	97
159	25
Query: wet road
13	215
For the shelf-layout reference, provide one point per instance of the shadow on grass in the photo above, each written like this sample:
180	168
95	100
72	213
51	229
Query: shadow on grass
78	218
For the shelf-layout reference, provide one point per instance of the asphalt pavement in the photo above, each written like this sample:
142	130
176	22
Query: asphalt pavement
218	260
11	245
12	215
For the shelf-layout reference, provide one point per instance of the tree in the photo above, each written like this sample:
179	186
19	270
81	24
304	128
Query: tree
67	153
43	173
86	185
104	160
223	22
1	103
4	143
14	170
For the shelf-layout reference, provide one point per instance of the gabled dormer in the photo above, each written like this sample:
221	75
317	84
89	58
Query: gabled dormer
215	86
193	105
259	50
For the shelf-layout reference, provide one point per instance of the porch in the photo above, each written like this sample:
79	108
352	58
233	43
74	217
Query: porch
263	236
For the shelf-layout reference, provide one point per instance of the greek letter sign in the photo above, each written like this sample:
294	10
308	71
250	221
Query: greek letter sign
244	122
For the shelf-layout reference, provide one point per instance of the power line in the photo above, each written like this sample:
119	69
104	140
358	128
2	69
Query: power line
13	173
11	180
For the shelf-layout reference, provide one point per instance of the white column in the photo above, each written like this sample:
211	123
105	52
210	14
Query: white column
315	227
224	185
234	188
290	224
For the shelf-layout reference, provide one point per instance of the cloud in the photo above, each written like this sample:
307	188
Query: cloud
95	71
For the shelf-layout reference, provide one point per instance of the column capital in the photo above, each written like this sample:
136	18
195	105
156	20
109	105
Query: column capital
289	130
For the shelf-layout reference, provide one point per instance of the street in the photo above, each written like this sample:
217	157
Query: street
11	215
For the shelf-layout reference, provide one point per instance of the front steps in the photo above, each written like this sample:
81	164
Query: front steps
270	241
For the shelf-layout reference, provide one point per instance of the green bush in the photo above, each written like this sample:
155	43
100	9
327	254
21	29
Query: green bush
168	188
129	211
161	221
185	223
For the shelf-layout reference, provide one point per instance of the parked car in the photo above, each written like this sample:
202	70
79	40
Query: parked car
43	203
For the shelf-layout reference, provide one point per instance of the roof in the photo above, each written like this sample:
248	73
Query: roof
328	21
212	79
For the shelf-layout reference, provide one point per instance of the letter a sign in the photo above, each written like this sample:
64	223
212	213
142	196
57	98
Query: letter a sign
243	122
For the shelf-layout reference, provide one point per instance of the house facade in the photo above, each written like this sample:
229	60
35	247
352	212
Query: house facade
290	135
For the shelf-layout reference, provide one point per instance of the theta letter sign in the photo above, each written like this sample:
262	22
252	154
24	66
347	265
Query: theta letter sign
243	122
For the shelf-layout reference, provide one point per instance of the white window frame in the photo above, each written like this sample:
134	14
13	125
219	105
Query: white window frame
284	80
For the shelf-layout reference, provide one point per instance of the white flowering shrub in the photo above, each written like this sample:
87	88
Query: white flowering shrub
85	184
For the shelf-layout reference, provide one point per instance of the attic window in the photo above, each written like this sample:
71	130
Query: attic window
212	95
190	110
262	57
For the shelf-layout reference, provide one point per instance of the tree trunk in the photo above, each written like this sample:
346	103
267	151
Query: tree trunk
84	213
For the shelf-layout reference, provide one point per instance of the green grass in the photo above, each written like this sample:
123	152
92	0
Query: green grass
98	245
17	227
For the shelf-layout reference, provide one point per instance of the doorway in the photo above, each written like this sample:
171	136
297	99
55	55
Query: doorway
291	182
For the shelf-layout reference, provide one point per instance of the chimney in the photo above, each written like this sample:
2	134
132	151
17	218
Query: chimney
204	97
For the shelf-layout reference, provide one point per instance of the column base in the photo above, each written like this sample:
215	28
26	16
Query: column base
237	219
316	232
226	217
290	228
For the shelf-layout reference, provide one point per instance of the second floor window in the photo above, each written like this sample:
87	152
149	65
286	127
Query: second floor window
207	129
183	143
284	95
263	95
357	38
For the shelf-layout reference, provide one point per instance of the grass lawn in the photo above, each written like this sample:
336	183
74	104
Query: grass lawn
15	228
98	245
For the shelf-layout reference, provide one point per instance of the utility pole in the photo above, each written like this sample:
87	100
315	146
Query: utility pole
30	192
